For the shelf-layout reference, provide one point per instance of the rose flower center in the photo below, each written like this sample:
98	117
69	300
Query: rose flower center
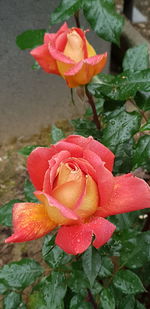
74	46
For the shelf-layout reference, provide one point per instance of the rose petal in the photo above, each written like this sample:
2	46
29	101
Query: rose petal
90	50
76	239
102	229
57	212
45	60
89	143
75	150
37	164
73	239
129	194
84	165
55	162
90	200
82	72
105	179
30	221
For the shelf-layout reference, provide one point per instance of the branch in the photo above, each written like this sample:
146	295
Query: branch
92	104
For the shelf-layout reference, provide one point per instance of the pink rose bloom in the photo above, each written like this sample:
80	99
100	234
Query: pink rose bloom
76	191
68	54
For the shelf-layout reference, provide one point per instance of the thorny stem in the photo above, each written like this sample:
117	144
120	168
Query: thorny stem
139	110
91	299
92	104
77	20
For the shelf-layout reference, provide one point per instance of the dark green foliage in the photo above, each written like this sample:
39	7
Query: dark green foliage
18	275
65	10
6	213
136	58
49	293
122	86
104	19
128	282
28	192
56	134
141	156
30	38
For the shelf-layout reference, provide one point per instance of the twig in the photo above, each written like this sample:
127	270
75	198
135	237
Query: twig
91	299
139	110
92	104
77	20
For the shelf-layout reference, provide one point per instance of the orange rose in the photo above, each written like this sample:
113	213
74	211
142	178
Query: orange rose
69	54
76	190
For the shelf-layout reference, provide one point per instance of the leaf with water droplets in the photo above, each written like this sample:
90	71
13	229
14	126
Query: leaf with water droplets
128	282
91	262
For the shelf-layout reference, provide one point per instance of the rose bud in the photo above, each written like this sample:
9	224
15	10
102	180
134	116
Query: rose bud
69	54
76	191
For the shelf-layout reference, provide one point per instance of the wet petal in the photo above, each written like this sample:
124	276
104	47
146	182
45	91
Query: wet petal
45	60
105	179
75	150
90	200
30	221
82	72
129	194
73	239
76	239
37	165
89	143
102	229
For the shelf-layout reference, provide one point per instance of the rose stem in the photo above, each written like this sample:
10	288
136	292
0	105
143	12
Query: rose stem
91	299
92	104
77	20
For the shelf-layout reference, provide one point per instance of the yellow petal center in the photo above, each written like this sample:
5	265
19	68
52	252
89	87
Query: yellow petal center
74	46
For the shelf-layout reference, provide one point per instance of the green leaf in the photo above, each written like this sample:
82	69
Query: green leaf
127	302
120	127
3	287
136	58
25	151
106	267
21	274
104	19
78	302
91	262
56	134
28	192
143	100
85	127
135	251
53	255
12	301
141	155
139	305
78	282
146	126
35	66
49	293
107	299
65	10
128	282
30	38
123	155
6	213
121	87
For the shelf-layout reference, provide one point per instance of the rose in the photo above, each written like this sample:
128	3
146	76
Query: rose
76	190
69	54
